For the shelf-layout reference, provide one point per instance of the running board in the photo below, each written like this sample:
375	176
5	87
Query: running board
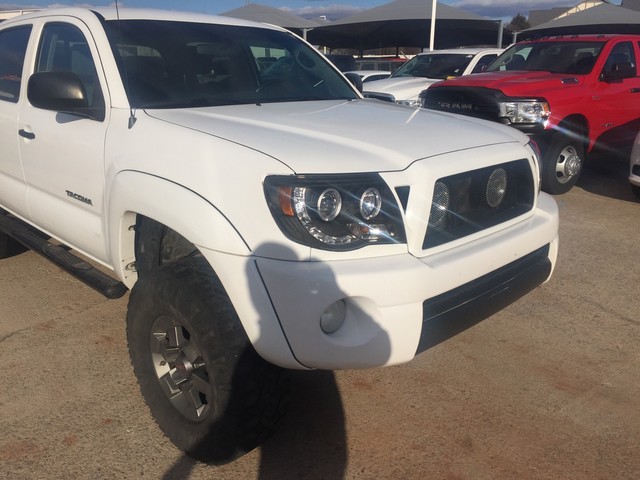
82	270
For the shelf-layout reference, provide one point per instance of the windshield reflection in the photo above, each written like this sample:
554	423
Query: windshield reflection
569	57
436	65
165	64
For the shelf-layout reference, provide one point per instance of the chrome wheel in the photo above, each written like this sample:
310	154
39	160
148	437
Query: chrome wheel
207	388
568	164
180	369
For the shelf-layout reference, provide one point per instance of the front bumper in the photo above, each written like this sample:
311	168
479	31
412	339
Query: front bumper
394	302
452	312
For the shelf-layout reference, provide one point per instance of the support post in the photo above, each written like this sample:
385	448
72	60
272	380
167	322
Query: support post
432	37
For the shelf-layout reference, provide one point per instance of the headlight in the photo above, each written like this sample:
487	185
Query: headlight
525	111
415	102
335	212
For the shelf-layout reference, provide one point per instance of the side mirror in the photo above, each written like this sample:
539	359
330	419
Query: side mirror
355	79
61	92
619	72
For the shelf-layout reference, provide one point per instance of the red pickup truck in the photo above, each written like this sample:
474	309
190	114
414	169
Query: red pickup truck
570	94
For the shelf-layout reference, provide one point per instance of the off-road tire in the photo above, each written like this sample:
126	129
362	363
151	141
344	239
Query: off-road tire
562	163
237	399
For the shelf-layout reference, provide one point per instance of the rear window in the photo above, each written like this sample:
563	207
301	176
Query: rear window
13	46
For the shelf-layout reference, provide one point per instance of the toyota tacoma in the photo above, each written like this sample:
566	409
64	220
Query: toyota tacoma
262	214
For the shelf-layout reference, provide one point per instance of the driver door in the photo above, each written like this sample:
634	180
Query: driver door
618	100
63	154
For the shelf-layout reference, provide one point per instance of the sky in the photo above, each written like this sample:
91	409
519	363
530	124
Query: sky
495	9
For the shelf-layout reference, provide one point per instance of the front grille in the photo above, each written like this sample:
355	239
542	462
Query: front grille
636	170
474	102
469	202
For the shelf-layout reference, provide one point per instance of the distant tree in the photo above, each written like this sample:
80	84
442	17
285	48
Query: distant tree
518	23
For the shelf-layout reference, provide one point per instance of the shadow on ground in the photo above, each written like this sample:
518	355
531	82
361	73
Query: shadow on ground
607	174
311	441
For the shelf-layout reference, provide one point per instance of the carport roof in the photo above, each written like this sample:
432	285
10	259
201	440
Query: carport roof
406	23
407	10
604	18
263	14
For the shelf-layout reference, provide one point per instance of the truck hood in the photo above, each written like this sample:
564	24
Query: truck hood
341	136
402	88
518	83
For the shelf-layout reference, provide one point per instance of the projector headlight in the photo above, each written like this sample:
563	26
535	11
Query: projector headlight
329	212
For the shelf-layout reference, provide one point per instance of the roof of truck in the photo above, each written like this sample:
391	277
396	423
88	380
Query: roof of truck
110	13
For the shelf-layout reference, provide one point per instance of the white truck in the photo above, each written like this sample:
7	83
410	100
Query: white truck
263	215
425	69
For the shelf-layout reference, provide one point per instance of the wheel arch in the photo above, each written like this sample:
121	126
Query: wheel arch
135	196
576	125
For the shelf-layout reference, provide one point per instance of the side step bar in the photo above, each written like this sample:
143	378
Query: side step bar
82	270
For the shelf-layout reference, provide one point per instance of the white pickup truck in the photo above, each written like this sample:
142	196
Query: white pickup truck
263	214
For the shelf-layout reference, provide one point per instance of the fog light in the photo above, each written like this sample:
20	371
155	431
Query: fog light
440	205
496	187
333	317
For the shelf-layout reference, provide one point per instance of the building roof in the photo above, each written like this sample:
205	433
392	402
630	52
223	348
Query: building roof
538	17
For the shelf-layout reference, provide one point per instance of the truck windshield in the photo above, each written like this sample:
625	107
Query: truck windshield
574	58
435	65
166	64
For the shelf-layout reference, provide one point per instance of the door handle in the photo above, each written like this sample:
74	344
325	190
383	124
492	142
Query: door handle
28	135
635	90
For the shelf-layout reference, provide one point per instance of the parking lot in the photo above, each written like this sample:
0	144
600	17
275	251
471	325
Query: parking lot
546	389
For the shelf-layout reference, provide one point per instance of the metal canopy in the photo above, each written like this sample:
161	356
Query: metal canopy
604	18
263	14
407	23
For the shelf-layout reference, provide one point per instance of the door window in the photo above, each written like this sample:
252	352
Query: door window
484	62
64	48
622	53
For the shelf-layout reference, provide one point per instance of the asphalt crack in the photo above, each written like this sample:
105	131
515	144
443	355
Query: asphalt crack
613	313
6	337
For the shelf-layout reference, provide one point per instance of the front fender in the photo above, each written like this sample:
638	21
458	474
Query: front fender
189	214
135	193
